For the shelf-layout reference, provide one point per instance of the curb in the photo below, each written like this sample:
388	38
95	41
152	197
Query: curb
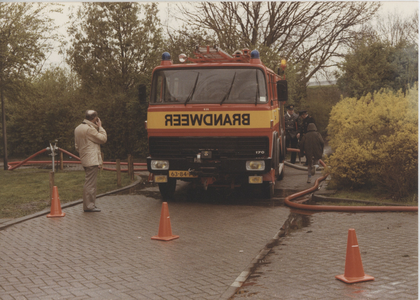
317	197
240	280
65	205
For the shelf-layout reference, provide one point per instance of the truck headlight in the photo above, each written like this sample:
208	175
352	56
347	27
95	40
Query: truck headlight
159	165
255	165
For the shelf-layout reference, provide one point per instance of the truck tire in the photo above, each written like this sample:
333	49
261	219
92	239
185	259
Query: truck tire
267	190
283	147
276	157
282	155
281	176
167	190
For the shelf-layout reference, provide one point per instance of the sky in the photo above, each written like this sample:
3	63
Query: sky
405	8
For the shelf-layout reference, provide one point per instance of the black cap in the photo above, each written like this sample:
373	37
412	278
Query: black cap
301	112
290	107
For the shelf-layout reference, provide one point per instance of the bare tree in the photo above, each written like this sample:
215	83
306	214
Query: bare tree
412	26
394	28
309	34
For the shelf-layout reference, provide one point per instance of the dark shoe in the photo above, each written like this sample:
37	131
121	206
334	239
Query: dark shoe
92	210
309	180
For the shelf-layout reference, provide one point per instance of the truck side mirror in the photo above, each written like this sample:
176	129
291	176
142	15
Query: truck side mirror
142	93
282	94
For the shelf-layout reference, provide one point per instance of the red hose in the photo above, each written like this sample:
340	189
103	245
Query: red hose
16	164
10	168
288	202
123	170
109	163
123	163
68	153
41	162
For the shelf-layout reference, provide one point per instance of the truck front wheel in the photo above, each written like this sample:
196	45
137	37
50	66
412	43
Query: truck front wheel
267	190
167	190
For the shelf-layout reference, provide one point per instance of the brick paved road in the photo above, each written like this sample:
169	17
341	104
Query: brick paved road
110	255
304	264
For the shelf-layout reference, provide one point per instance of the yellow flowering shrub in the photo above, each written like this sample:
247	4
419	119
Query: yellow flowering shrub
398	160
350	161
375	141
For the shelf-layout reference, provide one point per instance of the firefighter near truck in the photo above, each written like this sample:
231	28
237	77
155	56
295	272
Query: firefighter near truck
216	121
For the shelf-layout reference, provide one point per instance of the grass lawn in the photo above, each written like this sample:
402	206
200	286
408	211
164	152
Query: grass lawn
26	191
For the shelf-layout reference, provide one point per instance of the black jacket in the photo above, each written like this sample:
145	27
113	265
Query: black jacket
312	144
291	125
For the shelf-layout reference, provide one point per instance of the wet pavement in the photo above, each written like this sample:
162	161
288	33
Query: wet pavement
230	242
303	265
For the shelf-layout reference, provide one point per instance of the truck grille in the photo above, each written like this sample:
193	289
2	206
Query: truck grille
221	146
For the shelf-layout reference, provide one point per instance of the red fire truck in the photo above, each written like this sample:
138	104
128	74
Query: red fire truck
217	120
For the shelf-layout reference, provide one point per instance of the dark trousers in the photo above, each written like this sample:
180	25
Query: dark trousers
291	143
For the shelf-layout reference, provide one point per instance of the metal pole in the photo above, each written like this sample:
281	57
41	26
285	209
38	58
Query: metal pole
3	109
52	155
118	166
51	185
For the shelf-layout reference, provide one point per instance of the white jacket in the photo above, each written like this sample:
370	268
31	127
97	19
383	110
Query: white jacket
88	137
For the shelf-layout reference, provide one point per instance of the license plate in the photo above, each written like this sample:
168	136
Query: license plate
181	174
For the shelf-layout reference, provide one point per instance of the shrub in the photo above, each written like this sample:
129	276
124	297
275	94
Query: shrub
398	154
351	162
375	142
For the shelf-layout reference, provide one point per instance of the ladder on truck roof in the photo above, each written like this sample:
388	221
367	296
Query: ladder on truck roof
207	54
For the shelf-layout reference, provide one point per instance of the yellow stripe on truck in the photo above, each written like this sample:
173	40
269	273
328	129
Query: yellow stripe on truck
214	119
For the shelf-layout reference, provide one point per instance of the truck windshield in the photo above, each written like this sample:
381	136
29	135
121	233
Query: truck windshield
215	85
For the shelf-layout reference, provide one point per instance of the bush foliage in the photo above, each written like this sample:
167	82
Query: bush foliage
375	142
45	109
374	64
319	103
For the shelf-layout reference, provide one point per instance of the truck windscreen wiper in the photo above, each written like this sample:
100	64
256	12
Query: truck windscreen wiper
193	90
228	93
257	93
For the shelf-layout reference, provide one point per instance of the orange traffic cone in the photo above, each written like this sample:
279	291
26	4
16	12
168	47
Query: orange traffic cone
353	270
165	231
55	205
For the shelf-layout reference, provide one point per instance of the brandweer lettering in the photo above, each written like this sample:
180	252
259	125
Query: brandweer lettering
207	119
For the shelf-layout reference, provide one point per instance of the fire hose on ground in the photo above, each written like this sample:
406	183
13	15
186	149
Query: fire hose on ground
288	200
